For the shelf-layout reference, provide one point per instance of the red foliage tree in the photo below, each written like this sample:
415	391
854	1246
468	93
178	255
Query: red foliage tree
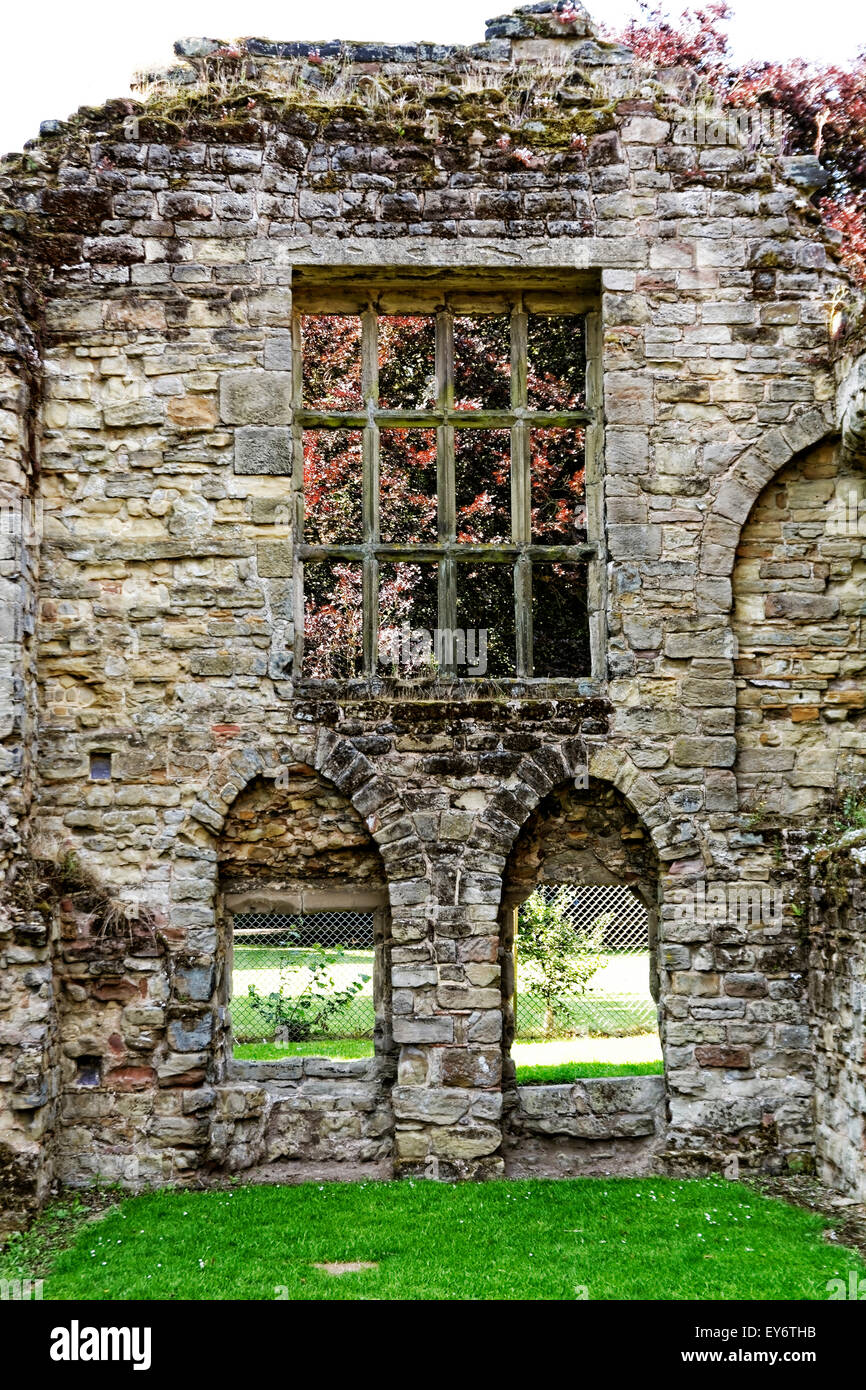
824	104
408	502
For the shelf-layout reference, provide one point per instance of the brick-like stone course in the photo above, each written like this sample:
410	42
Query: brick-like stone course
153	256
837	993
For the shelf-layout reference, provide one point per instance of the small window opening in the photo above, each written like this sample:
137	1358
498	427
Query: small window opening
88	1071
583	997
303	985
100	767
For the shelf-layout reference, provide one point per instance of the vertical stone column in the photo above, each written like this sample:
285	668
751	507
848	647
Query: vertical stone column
28	1075
19	542
448	1025
258	404
447	1013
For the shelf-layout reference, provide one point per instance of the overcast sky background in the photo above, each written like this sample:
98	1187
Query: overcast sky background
59	54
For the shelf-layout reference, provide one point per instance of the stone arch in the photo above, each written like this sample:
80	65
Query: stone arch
290	848
192	849
315	836
538	773
743	483
799	596
373	796
628	858
588	836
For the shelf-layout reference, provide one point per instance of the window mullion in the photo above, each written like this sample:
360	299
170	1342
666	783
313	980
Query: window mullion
523	614
445	485
521	497
520	482
370	482
519	356
445	360
596	574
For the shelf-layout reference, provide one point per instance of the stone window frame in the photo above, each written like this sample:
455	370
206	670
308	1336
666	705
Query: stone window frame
304	901
513	898
375	293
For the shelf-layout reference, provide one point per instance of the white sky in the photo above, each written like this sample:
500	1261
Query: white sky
61	54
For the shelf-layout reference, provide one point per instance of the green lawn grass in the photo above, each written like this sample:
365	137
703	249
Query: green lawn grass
617	1000
575	1071
327	1047
568	1059
619	1238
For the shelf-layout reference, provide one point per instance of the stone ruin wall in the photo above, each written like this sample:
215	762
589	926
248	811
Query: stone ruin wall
837	988
798	619
153	255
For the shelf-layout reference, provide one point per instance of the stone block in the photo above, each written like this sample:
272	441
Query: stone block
275	559
694	751
255	397
437	1029
436	1105
265	451
799	607
190	1034
728	1057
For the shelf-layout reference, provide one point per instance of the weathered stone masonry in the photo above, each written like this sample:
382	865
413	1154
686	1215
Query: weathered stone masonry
153	251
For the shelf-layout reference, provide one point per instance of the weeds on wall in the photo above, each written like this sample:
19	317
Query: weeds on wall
45	884
552	108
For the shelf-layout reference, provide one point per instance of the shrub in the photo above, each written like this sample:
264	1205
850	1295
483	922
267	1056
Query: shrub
558	958
307	996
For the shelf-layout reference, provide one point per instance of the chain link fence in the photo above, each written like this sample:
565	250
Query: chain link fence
301	978
582	958
582	969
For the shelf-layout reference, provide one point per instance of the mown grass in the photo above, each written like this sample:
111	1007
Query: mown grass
617	1238
568	1059
576	1071
325	1047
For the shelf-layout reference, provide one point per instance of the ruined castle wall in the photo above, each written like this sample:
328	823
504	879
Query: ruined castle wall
29	1064
837	970
28	1031
151	1091
799	600
175	237
20	534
